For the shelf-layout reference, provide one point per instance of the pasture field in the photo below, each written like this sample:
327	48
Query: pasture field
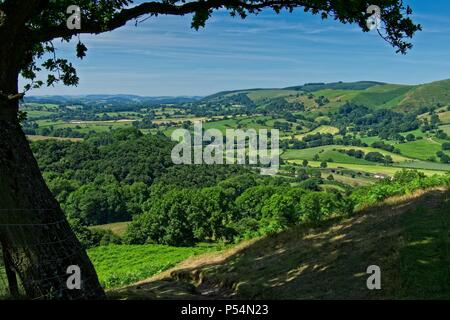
445	128
425	165
178	120
443	116
33	114
41	138
46	106
382	96
417	133
322	129
86	126
326	155
257	95
373	168
221	125
369	140
355	182
127	114
118	228
420	149
330	152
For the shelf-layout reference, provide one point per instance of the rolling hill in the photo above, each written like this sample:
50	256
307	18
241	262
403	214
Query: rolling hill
372	94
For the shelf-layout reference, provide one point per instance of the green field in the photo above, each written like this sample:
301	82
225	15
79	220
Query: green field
425	165
119	265
446	128
322	129
41	138
373	169
117	228
384	96
330	152
32	114
420	149
85	126
257	95
426	94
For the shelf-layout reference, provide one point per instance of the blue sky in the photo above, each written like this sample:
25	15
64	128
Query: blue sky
163	56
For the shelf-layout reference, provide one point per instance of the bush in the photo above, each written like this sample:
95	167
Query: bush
404	182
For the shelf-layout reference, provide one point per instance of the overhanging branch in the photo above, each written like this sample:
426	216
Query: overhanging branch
165	8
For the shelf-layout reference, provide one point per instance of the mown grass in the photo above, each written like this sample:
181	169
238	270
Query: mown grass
119	265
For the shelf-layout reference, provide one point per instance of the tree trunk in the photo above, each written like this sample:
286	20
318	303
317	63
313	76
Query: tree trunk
10	273
38	239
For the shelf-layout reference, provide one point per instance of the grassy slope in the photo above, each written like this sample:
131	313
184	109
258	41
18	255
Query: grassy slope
427	94
407	237
400	97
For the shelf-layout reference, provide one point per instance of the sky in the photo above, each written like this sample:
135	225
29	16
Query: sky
163	56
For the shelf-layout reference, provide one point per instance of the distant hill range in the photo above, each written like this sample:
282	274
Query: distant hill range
105	99
314	96
326	96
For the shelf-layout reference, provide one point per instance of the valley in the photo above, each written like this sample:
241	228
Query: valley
346	149
298	112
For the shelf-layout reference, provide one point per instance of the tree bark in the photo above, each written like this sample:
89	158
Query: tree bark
37	237
10	273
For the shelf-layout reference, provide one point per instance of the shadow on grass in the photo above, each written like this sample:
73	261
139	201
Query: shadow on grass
330	262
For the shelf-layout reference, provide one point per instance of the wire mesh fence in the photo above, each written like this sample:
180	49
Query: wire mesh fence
35	255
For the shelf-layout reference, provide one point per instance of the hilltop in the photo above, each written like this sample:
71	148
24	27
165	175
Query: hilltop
330	96
407	237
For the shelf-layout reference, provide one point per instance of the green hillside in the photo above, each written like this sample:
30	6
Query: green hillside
433	93
369	93
407	237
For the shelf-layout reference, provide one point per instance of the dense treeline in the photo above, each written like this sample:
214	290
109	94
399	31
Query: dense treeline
110	176
240	207
125	175
370	156
106	177
321	139
382	122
